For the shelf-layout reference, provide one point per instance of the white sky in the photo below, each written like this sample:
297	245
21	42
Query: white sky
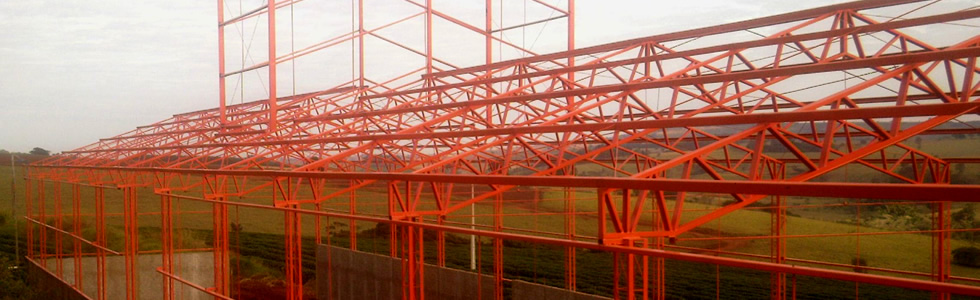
74	71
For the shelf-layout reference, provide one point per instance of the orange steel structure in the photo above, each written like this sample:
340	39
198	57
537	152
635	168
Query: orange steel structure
631	148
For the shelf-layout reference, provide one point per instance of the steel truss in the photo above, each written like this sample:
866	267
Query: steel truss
748	119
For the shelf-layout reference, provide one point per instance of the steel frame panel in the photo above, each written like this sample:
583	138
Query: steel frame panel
532	122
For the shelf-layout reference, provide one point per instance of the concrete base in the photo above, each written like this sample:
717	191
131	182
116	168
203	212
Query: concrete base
195	267
533	291
359	275
48	286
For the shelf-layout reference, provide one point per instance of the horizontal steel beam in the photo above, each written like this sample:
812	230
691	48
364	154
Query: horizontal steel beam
960	15
922	192
687	34
790	116
800	69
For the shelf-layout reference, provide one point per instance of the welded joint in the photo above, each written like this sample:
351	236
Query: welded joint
624	241
404	216
286	203
212	196
132	185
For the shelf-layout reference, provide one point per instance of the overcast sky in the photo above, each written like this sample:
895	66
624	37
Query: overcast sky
72	72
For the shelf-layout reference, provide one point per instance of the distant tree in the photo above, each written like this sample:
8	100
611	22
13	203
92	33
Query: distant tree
40	151
965	219
903	215
967	256
235	227
965	216
860	264
14	281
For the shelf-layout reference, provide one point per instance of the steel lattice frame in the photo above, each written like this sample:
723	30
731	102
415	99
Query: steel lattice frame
748	119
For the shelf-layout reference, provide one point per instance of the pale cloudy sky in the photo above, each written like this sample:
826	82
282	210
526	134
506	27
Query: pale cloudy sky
74	71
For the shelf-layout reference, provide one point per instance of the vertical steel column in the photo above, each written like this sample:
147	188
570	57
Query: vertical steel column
352	222
630	261
428	40
420	261
942	225
167	246
570	257
624	274
778	246
294	254
42	231
222	94
58	247
316	224
624	223
292	244
13	208
130	217
405	248
571	38
76	213
488	40
28	203
221	264
644	270
498	248
290	269
413	280
393	197
440	219
360	47
298	247
475	253
273	105
100	239
658	243
601	195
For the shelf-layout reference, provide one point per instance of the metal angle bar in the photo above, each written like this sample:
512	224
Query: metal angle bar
529	23
71	235
256	12
254	67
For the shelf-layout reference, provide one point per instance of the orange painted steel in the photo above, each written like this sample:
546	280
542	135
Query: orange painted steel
567	150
